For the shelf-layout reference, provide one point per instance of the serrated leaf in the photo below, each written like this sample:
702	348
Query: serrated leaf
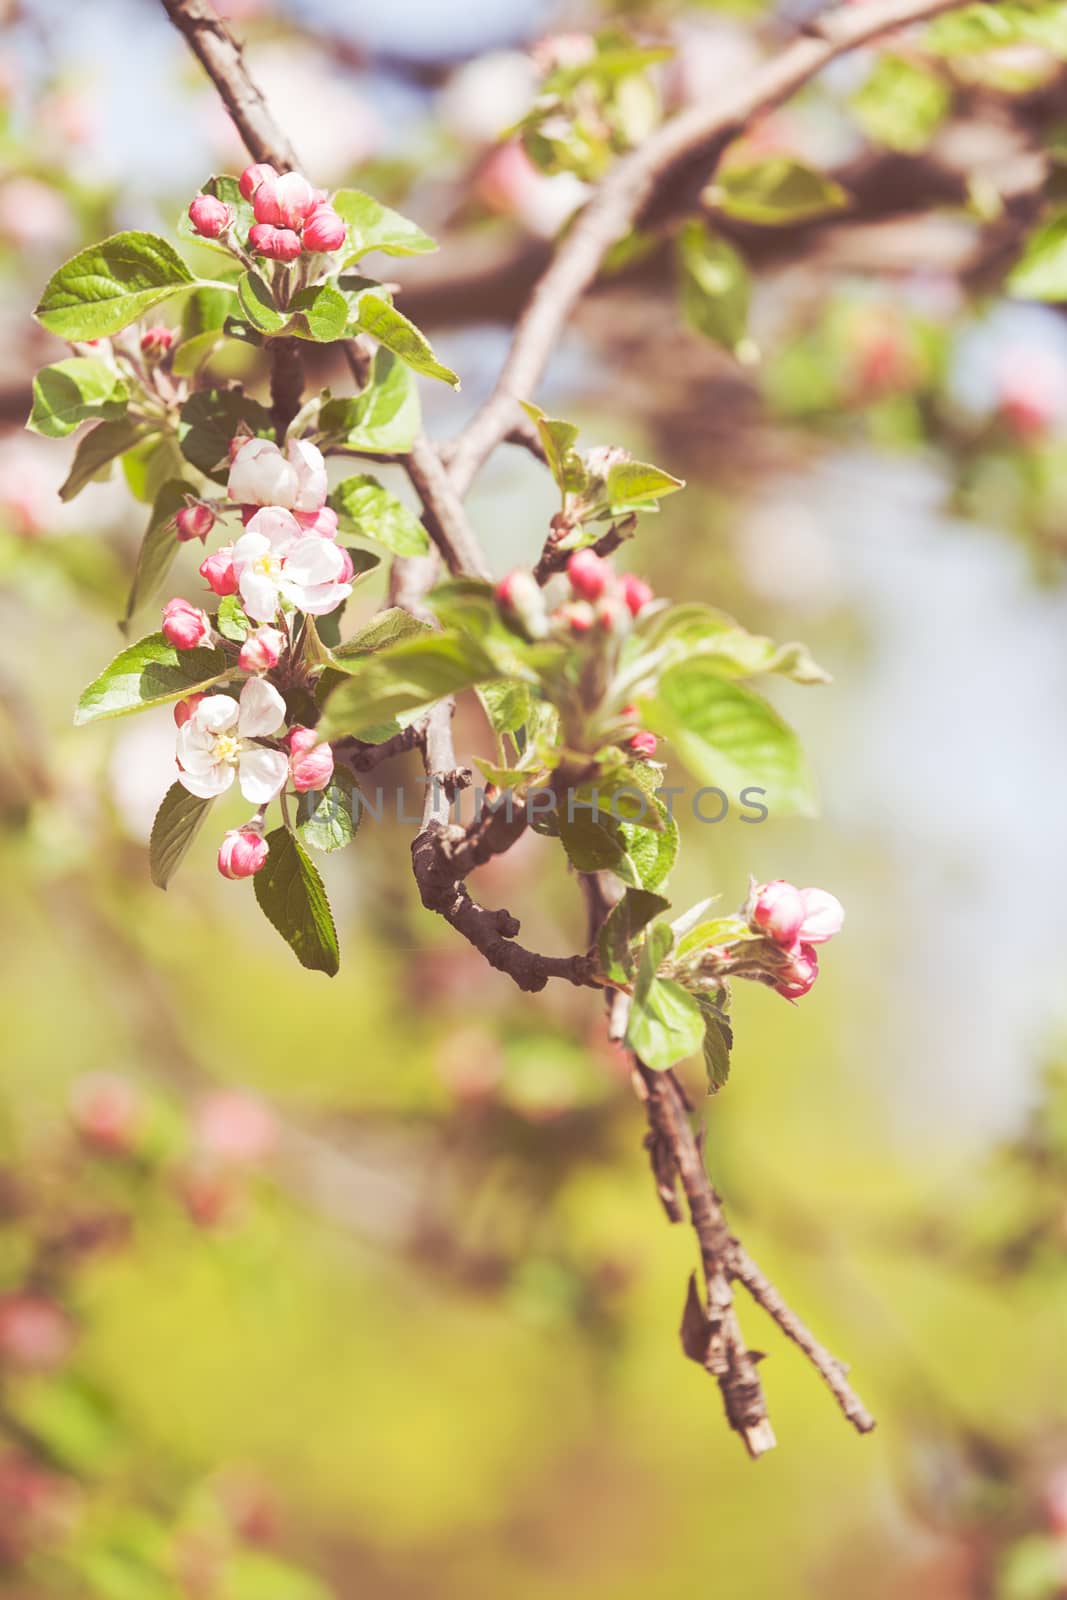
403	680
327	819
775	191
210	419
370	510
728	737
718	1043
292	897
385	419
176	825
148	673
715	286
620	929
319	314
97	449
506	703
391	626
256	299
591	839
69	393
107	286
666	1023
651	851
158	547
397	333
373	226
231	619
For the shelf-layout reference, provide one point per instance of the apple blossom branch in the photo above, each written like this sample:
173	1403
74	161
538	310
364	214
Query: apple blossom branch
442	855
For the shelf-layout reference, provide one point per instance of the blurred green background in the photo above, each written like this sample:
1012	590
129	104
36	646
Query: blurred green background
425	1342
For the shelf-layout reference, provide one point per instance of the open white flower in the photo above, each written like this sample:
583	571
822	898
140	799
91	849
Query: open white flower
274	561
214	745
262	476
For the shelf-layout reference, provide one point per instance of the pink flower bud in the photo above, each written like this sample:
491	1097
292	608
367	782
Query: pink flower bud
185	708
184	626
322	523
644	744
284	202
310	763
253	176
262	650
778	911
577	615
209	216
636	593
194	522
348	566
324	229
156	341
824	915
513	589
589	574
105	1110
799	974
218	572
242	853
35	1333
612	614
277	244
236	1127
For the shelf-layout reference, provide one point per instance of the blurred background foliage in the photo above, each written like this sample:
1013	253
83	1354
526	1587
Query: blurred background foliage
361	1288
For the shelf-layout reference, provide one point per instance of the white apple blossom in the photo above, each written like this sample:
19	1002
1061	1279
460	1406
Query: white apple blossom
260	475
216	744
275	560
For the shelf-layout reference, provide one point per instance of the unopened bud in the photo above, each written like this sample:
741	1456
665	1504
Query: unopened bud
310	763
184	626
262	650
253	176
156	341
636	593
242	853
277	244
184	709
210	217
194	522
519	595
644	744
778	911
217	571
589	574
324	230
799	974
284	202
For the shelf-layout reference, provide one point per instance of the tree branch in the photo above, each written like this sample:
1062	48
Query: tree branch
696	136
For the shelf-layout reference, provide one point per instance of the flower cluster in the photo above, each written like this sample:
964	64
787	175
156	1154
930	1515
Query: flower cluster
794	921
292	218
287	561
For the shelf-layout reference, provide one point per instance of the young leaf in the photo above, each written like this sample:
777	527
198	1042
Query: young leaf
159	545
385	418
728	737
680	632
666	1023
231	620
902	104
363	505
71	392
373	226
106	287
177	824
327	819
403	679
97	449
256	299
591	839
210	419
292	896
558	441
636	486
392	329
1041	271
715	286
506	704
718	1043
620	928
388	627
148	673
651	851
319	314
775	191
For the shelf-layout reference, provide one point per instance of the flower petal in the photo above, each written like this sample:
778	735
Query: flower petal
214	714
206	785
259	595
263	774
279	527
262	710
824	915
324	598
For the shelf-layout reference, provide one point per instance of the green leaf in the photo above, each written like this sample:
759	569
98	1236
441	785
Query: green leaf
327	819
591	839
392	329
388	627
634	486
292	896
651	851
210	419
680	632
1041	271
666	1023
620	929
97	449
254	1575
150	463
159	545
319	314
364	506
385	418
558	440
106	287
72	392
728	737
715	287
718	1043
231	620
402	680
775	191
506	703
177	824
373	226
148	673
902	104
194	352
715	931
256	299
